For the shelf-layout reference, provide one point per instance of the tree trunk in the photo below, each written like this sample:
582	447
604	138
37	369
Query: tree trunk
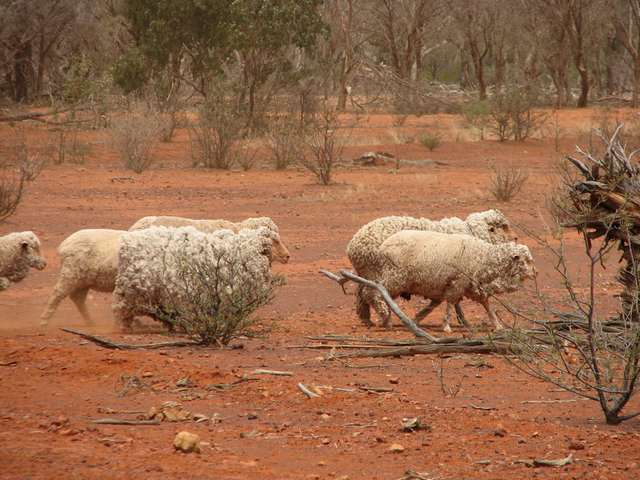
636	83
21	67
584	87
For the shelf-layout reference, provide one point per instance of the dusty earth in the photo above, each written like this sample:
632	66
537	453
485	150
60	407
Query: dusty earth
54	384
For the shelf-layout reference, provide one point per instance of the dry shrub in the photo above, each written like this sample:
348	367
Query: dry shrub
71	149
513	114
218	129
324	145
246	157
430	141
134	136
506	182
32	166
284	142
12	186
214	312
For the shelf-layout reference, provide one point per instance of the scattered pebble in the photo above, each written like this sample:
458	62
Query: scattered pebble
396	448
187	442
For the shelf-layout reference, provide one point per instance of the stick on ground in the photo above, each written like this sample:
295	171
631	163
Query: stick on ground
127	346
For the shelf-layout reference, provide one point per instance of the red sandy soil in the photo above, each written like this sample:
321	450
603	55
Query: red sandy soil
53	383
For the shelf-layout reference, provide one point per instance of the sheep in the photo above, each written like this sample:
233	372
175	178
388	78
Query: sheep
150	271
449	267
363	249
89	260
19	251
280	251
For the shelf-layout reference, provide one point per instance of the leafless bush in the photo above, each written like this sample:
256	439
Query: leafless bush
12	186
506	182
513	114
218	129
246	157
430	141
71	149
31	167
580	348
214	312
134	136
324	144
284	142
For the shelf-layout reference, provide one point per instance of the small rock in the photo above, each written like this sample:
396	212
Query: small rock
252	416
394	380
187	442
322	463
500	432
325	441
396	448
325	416
576	446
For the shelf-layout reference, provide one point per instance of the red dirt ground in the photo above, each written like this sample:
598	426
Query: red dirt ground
53	383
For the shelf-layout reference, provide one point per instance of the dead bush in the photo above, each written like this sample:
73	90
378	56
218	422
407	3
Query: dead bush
284	142
430	141
32	166
71	149
134	136
214	312
324	145
218	129
506	182
513	114
12	184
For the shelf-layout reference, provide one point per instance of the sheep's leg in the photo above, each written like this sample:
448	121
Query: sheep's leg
422	314
382	309
59	293
492	315
460	314
79	297
4	283
447	319
362	307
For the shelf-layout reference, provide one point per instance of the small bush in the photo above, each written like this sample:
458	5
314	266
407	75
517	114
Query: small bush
284	142
506	182
134	136
71	150
217	131
477	115
513	114
430	141
31	167
12	185
214	312
324	145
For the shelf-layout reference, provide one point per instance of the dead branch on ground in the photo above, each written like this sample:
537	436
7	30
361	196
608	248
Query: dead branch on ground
127	346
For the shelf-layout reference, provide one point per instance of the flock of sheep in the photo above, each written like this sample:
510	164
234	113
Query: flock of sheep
441	261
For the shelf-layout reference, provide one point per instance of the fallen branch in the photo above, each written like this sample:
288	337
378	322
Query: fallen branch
408	322
35	115
480	407
118	421
304	389
227	386
375	389
425	350
277	373
548	401
127	346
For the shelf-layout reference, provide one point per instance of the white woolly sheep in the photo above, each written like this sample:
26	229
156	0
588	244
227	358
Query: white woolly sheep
449	267
19	252
150	269
280	251
363	249
88	261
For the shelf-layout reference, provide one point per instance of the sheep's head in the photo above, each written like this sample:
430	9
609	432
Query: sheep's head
521	262
491	226
280	251
30	250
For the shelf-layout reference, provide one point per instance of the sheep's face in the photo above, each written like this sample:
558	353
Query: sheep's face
30	248
491	226
522	263
280	251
